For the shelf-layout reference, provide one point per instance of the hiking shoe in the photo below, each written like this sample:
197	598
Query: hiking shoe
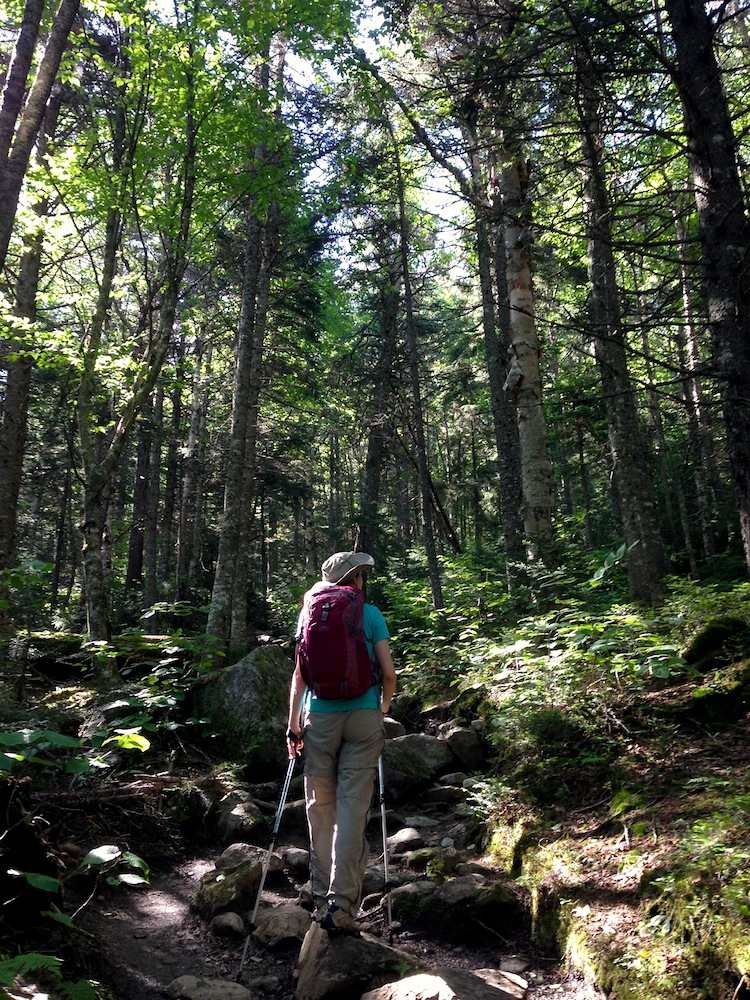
339	920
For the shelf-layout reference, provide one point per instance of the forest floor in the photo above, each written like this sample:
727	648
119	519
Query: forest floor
672	777
148	938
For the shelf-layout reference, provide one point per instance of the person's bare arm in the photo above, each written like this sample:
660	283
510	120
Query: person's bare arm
294	720
388	670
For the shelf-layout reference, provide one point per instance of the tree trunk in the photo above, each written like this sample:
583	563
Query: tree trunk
523	381
171	477
151	527
220	613
377	417
646	557
61	538
98	624
18	72
510	494
724	230
190	494
312	559
18	367
142	476
96	477
31	120
239	624
701	444
428	535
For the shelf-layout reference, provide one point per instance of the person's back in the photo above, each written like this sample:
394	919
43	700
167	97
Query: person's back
343	739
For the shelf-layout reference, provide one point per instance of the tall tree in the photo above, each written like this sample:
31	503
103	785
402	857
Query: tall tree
410	330
724	228
228	597
13	171
100	453
18	360
646	557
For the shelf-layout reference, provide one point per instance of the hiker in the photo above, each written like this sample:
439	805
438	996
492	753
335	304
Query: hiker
343	739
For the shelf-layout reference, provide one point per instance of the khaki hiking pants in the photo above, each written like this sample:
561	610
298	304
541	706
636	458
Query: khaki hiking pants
341	757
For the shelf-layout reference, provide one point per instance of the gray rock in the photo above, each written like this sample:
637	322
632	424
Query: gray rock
238	816
374	879
228	924
452	984
515	965
456	890
446	793
505	979
393	728
434	752
420	822
407	900
294	817
455	778
248	703
405	771
238	854
297	860
233	883
197	988
279	924
467	745
343	965
405	840
462	906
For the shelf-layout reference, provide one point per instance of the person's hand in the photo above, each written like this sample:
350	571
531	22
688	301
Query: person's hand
294	744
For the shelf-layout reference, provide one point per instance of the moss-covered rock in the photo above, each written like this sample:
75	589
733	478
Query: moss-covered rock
718	643
465	907
724	696
247	704
405	770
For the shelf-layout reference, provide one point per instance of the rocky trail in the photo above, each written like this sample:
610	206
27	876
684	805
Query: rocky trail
155	941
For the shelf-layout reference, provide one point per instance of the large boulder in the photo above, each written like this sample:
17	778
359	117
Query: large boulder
453	984
342	965
467	744
435	752
239	818
247	704
411	763
200	988
276	925
463	907
234	881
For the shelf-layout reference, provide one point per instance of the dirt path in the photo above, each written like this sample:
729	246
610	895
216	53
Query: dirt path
150	936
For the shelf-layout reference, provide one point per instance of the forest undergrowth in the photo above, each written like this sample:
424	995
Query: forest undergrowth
617	793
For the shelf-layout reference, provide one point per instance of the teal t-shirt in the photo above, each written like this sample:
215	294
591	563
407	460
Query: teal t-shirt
375	630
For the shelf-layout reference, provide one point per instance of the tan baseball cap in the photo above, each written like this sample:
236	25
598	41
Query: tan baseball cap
341	565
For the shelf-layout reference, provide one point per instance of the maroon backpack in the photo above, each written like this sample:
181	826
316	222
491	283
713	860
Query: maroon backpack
333	655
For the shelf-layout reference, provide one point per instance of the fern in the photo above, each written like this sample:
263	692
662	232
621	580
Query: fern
31	962
84	989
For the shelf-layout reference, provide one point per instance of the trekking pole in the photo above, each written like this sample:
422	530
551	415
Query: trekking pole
267	860
387	885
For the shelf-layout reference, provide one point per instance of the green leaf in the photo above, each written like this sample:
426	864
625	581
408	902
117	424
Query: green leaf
39	881
77	765
23	964
102	855
130	878
130	741
135	861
